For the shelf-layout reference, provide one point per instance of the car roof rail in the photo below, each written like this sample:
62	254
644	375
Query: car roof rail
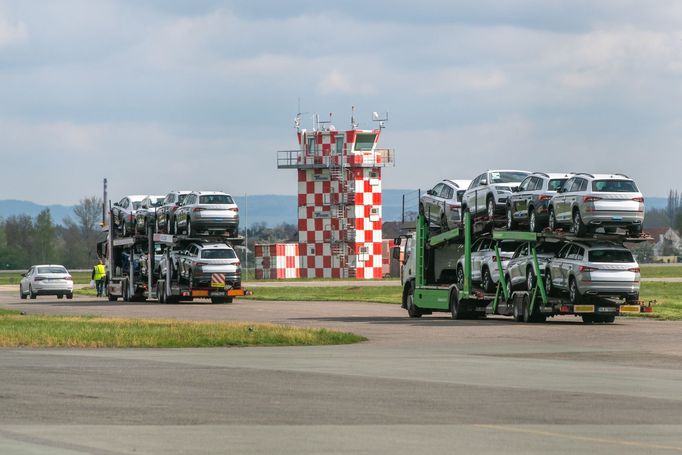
542	173
623	175
585	173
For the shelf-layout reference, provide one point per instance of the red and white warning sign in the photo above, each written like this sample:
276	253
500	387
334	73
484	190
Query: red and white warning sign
217	280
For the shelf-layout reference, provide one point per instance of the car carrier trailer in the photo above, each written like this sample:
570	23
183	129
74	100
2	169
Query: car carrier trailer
130	279
429	283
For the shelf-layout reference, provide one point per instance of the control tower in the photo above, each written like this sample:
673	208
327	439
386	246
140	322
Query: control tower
339	199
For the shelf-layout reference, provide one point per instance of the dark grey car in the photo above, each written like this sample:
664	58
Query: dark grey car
528	205
519	272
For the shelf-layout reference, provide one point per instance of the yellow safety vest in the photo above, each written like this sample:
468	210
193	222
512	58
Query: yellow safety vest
100	272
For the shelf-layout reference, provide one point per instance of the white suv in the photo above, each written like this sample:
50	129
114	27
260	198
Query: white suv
589	201
489	192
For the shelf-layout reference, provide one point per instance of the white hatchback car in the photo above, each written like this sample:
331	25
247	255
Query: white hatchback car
46	280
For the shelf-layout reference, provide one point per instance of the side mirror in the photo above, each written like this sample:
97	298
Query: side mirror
430	192
116	204
397	241
483	183
560	190
395	253
23	274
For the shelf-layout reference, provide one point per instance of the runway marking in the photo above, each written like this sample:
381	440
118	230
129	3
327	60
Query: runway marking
579	438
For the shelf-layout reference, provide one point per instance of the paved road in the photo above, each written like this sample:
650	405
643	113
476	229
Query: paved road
418	386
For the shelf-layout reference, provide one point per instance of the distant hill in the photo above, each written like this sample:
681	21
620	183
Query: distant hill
265	208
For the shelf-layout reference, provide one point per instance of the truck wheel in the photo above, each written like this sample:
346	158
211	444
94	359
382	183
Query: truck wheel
588	318
161	293
124	291
579	228
605	318
518	309
412	310
454	304
112	298
536	316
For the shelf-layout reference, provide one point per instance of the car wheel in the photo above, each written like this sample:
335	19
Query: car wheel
444	223
176	228
533	222
579	228
573	292
530	280
549	288
552	219
635	230
511	224
188	228
190	278
22	296
491	209
125	230
60	296
69	296
487	281
412	310
460	277
510	288
32	294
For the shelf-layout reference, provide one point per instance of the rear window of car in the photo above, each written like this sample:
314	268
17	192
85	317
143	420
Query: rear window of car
52	270
218	254
555	184
182	197
506	177
548	247
460	194
136	205
215	199
509	246
158	202
610	256
614	186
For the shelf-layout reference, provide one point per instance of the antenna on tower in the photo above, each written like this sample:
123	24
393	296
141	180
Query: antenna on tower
297	119
353	124
321	123
376	117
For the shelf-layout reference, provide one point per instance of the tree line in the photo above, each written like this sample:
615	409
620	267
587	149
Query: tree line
25	241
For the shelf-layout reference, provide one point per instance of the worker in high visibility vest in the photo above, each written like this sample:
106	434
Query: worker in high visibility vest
99	275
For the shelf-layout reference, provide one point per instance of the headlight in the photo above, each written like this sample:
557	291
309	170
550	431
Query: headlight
502	191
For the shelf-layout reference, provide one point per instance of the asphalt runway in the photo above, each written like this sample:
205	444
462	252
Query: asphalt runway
431	385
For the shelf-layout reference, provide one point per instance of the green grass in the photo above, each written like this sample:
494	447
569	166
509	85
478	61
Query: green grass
661	271
37	331
15	278
668	297
374	294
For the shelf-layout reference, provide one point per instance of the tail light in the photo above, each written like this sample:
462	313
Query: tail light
198	209
494	258
174	208
584	268
68	278
39	278
545	197
634	269
590	198
638	199
236	209
238	264
130	217
201	263
454	207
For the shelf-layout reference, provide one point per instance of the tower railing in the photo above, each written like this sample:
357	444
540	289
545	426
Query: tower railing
297	159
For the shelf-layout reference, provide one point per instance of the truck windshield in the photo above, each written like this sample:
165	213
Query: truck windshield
215	199
218	254
622	256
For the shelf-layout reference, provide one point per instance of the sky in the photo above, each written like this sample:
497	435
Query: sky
166	94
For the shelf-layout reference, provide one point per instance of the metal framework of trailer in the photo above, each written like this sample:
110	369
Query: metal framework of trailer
425	295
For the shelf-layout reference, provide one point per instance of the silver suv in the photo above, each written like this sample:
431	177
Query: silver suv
529	201
211	211
145	216
484	268
488	193
519	273
598	269
442	204
588	201
165	215
197	262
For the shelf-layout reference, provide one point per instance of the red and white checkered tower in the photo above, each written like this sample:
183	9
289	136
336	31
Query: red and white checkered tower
339	199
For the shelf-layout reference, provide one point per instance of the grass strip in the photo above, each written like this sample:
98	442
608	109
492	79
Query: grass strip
39	331
15	278
660	271
373	294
